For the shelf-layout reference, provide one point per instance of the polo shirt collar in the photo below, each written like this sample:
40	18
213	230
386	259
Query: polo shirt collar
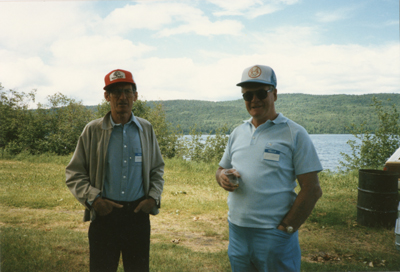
280	119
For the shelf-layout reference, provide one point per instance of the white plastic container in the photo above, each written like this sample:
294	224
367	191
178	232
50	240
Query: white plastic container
393	163
397	232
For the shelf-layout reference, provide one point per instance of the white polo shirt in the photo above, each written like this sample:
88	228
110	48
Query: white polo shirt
268	160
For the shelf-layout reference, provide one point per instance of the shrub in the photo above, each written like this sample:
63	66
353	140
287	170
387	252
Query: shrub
374	147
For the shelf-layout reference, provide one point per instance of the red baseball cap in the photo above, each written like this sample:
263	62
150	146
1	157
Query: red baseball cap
117	76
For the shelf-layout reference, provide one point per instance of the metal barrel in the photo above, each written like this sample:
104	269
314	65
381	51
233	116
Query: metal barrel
377	198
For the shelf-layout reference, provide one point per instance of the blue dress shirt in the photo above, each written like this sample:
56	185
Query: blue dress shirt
123	178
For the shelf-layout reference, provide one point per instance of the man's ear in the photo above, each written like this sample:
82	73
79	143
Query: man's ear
275	94
107	96
135	96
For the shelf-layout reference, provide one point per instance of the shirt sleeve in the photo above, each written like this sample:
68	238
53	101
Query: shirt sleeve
305	157
226	160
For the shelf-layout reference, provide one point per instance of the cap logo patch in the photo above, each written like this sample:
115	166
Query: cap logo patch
117	75
254	72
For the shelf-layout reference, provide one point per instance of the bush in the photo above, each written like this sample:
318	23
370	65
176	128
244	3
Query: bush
199	150
374	147
13	112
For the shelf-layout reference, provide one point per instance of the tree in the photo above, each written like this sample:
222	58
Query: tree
215	145
13	114
54	127
166	135
67	118
373	148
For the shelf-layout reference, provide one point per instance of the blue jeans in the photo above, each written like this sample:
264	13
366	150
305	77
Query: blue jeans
262	250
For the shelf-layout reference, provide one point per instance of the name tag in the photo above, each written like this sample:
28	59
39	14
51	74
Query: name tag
138	157
271	155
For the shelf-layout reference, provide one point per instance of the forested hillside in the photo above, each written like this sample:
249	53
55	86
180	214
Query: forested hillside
319	114
55	126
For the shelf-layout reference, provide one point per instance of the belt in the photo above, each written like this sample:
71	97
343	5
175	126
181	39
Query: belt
129	204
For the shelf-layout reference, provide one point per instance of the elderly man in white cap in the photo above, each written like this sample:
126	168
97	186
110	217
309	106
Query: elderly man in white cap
267	153
116	172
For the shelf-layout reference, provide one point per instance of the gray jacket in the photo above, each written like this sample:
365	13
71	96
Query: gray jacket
86	170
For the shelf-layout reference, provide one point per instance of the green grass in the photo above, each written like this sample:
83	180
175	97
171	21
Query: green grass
42	229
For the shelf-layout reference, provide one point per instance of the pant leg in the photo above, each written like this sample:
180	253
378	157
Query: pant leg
239	249
275	250
104	250
263	250
135	242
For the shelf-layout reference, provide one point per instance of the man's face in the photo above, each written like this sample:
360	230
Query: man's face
261	109
121	98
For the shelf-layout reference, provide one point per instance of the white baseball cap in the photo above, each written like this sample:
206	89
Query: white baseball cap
258	74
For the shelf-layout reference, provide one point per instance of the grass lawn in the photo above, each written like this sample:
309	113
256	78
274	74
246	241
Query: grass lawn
42	229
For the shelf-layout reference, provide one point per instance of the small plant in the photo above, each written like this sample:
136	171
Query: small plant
374	147
209	150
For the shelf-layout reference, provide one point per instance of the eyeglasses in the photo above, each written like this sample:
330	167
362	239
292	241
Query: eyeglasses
117	93
261	94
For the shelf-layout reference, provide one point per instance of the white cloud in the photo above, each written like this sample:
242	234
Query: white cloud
151	16
204	27
284	38
335	15
29	26
96	49
392	23
167	19
304	65
181	78
19	72
250	8
234	7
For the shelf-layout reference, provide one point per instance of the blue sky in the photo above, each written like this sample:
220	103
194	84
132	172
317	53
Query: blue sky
198	49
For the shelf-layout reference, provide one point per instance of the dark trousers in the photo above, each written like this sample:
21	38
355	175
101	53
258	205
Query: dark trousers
121	231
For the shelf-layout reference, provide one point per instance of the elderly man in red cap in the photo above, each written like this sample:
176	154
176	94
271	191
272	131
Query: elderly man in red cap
116	172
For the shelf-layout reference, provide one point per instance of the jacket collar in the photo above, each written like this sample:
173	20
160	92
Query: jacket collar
108	123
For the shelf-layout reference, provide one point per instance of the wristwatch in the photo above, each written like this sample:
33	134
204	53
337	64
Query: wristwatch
289	229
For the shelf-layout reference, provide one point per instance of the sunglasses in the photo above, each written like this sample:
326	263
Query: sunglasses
261	94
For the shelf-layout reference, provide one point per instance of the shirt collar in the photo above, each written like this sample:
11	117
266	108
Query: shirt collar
280	119
133	119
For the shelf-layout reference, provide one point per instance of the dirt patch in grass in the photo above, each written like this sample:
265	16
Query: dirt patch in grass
351	245
201	233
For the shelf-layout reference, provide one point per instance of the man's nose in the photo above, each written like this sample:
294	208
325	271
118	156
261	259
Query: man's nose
255	98
122	96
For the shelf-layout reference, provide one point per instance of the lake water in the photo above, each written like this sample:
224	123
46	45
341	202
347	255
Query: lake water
329	147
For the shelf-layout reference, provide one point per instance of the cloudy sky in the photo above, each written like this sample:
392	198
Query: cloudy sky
197	49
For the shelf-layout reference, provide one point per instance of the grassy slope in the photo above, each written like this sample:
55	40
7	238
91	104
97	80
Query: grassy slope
42	229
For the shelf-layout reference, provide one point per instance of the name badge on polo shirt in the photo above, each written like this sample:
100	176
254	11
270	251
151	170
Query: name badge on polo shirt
138	157
271	154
